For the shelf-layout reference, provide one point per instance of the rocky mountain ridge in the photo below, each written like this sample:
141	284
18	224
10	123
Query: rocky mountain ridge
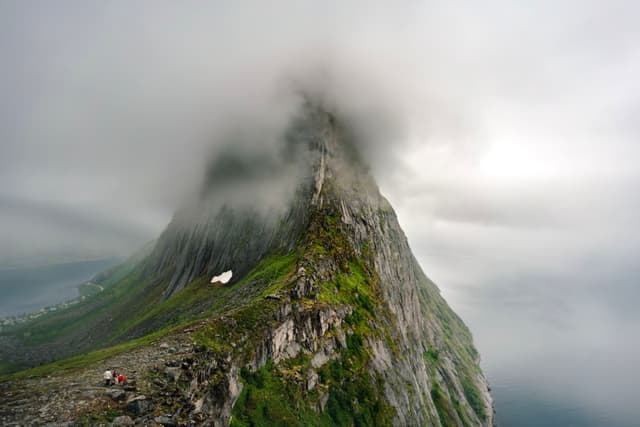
330	321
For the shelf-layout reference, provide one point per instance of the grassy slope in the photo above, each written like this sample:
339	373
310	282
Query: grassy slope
83	360
128	308
275	394
215	298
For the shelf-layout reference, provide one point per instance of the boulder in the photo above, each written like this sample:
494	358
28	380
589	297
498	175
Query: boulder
312	380
123	420
139	405
116	394
90	393
165	421
172	373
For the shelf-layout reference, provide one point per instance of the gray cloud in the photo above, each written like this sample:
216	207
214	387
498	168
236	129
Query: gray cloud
112	105
504	133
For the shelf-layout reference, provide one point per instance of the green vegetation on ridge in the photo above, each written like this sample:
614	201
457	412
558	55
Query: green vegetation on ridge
277	395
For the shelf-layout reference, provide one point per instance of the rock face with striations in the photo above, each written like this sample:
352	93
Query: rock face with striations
329	319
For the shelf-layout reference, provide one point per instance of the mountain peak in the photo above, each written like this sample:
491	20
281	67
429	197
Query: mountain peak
327	318
269	197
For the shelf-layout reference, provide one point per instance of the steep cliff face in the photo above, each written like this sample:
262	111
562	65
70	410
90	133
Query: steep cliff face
329	319
428	364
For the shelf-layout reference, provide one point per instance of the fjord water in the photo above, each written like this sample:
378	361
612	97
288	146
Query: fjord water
542	374
28	289
519	404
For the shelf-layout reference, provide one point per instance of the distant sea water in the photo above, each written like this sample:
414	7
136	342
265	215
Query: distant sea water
26	290
517	404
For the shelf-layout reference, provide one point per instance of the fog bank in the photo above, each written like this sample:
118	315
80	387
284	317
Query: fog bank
504	134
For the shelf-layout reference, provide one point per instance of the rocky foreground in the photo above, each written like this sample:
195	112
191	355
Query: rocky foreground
80	397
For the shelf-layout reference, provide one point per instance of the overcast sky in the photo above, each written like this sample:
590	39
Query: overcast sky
512	130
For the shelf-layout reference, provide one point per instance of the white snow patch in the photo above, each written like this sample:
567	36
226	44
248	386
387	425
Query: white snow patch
223	278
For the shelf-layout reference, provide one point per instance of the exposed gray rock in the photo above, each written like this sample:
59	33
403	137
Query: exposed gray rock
312	380
91	393
166	421
172	373
116	394
140	405
123	420
320	358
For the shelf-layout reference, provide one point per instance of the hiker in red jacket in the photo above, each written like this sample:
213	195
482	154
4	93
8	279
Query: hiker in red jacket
122	379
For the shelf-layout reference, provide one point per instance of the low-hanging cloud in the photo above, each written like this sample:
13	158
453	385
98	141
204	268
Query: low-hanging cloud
503	133
121	107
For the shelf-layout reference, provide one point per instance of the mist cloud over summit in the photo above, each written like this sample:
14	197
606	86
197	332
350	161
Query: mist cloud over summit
120	105
505	135
112	105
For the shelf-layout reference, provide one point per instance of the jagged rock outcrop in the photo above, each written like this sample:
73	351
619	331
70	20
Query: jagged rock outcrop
329	319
